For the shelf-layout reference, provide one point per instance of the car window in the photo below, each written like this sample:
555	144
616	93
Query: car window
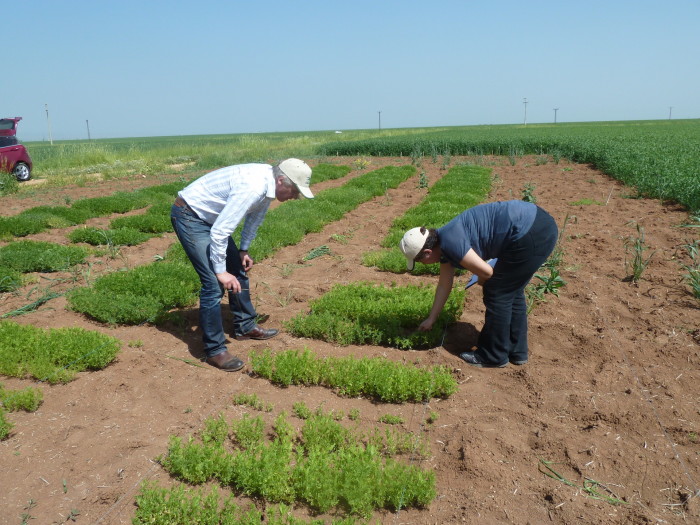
7	141
6	123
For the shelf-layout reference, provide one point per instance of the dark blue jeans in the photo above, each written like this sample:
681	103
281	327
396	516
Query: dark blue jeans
194	235
504	335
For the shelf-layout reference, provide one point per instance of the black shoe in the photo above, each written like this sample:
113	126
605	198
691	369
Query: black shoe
475	360
519	362
225	362
258	333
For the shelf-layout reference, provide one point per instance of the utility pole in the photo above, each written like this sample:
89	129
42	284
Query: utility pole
555	114
48	122
88	129
525	120
380	119
669	112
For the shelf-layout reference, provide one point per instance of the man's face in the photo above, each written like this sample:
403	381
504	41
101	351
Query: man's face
285	193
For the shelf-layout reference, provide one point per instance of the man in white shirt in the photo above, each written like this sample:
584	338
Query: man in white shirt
204	216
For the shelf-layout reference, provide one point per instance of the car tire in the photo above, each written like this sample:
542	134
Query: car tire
22	172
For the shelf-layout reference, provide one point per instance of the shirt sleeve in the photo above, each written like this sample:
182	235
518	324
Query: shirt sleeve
252	222
240	201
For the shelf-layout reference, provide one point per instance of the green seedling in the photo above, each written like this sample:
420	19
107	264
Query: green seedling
635	261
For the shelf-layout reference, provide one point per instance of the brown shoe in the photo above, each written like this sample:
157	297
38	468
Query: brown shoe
258	333
226	362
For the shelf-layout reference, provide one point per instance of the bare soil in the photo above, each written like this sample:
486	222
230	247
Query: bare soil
610	393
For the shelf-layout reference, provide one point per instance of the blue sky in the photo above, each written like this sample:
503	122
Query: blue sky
168	67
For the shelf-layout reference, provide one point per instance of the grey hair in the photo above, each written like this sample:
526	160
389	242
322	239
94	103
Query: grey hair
279	175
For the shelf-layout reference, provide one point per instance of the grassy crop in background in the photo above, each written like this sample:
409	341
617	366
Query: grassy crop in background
658	158
54	355
374	378
38	256
461	188
362	313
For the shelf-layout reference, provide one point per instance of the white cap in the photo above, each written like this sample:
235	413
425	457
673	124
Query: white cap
299	173
412	243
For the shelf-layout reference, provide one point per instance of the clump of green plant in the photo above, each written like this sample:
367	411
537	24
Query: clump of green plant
28	399
54	355
363	313
446	159
692	278
360	164
528	193
432	417
100	236
253	401
324	468
587	202
301	410
322	172
422	180
10	279
38	256
143	294
376	378
390	419
319	251
635	261
5	426
8	183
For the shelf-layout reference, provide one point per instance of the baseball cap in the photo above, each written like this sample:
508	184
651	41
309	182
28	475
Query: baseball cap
299	173
412	243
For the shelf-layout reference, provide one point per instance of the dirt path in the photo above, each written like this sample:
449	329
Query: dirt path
610	393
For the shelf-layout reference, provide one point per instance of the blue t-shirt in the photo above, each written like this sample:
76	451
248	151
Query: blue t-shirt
486	228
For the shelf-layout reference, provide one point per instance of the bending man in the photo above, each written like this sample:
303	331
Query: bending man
204	216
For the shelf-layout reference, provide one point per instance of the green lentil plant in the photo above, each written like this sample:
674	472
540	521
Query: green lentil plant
323	172
10	279
422	180
319	251
29	399
390	419
253	402
8	183
39	256
363	313
376	378
108	237
5	426
635	261
54	355
301	410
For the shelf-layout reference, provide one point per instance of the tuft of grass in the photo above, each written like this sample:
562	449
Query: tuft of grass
635	261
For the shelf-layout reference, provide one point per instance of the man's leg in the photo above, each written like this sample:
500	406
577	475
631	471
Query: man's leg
194	235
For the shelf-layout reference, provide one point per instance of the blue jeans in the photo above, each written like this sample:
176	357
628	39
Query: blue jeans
194	235
504	335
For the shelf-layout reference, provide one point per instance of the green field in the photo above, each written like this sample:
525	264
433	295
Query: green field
659	158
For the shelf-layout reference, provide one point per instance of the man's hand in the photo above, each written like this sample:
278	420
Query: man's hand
229	282
246	261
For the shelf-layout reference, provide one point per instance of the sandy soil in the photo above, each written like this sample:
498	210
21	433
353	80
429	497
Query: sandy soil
610	393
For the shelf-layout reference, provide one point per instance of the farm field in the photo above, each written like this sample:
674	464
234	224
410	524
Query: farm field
609	395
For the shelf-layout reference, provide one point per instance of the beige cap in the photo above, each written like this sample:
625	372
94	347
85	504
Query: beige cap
299	173
412	243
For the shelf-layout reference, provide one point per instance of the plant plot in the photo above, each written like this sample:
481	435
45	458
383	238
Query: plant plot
54	355
28	399
461	188
375	378
364	313
326	467
38	256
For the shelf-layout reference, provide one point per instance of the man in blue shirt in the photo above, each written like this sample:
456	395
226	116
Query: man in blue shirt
521	236
204	216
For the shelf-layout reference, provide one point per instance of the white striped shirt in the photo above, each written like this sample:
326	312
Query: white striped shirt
223	198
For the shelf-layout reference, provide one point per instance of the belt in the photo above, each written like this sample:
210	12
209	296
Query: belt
181	203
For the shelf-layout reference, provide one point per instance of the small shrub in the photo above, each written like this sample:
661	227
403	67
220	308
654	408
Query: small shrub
29	399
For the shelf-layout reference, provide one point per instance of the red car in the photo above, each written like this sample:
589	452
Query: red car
13	155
